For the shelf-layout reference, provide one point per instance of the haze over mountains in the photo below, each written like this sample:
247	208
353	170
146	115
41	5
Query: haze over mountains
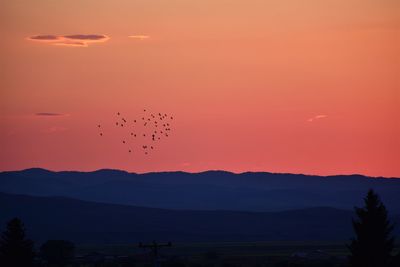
90	222
211	190
111	206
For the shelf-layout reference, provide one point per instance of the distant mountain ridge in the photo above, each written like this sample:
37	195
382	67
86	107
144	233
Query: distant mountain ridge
210	190
90	222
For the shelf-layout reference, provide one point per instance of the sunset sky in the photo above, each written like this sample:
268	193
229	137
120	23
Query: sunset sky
253	85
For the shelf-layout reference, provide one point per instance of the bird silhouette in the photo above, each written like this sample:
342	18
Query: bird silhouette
147	130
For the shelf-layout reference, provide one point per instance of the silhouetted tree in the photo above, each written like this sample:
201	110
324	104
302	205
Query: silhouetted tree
15	248
58	252
373	244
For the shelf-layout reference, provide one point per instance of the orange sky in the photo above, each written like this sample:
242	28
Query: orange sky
254	85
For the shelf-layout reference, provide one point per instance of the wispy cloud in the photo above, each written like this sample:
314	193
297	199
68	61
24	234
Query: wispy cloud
80	40
86	37
44	37
49	114
317	117
139	37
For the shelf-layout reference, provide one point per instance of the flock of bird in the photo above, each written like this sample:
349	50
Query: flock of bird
141	134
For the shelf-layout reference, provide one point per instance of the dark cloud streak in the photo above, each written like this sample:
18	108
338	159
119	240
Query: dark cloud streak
82	40
49	114
93	37
45	37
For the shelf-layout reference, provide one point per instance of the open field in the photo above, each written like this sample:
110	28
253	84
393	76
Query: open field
237	249
244	254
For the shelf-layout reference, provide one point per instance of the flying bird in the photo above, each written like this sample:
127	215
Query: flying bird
148	132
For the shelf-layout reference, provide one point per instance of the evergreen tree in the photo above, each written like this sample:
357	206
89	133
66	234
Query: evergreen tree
15	248
373	244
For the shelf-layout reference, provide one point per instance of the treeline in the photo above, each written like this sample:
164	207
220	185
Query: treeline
372	246
17	250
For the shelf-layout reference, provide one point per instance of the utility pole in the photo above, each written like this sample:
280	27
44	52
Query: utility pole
155	247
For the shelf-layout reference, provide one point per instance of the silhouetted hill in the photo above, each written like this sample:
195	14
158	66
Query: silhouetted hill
82	221
258	191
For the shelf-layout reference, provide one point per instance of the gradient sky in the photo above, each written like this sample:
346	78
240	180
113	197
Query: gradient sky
254	85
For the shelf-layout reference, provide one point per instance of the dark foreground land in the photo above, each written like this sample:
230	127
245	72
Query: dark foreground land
227	254
213	219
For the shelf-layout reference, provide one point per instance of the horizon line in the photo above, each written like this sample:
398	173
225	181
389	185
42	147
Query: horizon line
199	172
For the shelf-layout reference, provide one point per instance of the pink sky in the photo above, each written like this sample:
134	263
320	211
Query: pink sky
282	86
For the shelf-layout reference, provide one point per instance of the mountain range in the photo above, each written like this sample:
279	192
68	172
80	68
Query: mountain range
89	222
211	190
